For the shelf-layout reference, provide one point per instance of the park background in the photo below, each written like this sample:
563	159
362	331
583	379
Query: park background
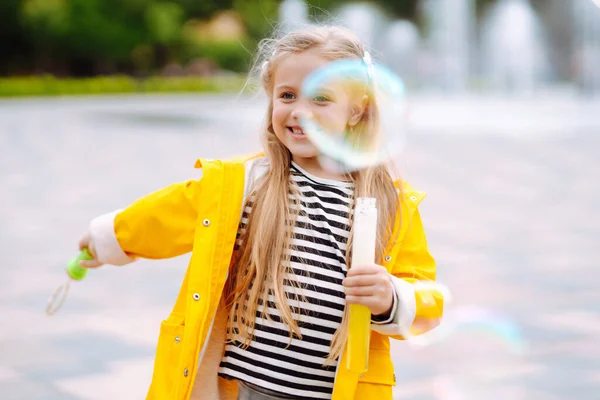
103	101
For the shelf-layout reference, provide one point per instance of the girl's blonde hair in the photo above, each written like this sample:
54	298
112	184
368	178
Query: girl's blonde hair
262	260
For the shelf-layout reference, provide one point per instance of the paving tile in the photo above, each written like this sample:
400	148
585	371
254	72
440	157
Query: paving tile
123	380
512	220
8	374
19	389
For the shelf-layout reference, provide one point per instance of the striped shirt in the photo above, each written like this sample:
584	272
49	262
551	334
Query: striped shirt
318	260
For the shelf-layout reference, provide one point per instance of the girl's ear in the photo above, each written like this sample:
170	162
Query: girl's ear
357	111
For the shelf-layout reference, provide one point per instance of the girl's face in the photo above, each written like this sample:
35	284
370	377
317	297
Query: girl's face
332	109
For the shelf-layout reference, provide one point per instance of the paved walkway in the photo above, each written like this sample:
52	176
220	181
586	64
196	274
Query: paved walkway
512	218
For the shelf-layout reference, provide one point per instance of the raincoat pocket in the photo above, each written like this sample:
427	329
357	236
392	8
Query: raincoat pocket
379	379
167	362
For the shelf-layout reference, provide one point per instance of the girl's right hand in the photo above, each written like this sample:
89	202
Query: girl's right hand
86	242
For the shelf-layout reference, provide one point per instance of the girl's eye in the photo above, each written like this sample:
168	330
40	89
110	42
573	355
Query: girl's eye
321	98
287	96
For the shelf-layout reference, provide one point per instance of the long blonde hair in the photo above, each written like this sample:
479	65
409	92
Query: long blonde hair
262	261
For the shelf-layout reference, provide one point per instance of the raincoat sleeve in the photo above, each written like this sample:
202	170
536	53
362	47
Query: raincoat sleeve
415	312
159	225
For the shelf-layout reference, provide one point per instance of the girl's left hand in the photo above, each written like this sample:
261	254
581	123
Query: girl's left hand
371	286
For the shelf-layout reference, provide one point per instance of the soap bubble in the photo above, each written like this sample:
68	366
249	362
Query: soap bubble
376	130
463	319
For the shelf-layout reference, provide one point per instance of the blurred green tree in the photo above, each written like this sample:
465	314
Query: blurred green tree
45	23
204	8
164	22
90	37
102	34
260	17
15	47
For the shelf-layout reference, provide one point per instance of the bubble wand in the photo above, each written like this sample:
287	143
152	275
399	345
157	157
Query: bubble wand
75	272
363	253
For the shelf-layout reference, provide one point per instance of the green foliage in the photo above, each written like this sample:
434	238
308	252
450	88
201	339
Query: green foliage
321	8
186	84
86	37
51	86
45	21
204	8
164	22
229	55
103	31
260	17
49	16
406	9
16	45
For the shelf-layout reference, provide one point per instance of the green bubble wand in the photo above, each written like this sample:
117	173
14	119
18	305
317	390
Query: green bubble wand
75	272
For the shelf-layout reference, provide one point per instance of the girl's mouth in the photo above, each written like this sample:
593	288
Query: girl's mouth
296	132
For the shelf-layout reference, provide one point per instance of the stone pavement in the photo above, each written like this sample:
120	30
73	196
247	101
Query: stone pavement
512	218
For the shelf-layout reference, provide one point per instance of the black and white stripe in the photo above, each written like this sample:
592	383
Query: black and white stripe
318	260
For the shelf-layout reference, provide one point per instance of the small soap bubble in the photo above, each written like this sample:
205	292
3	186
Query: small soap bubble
460	320
373	97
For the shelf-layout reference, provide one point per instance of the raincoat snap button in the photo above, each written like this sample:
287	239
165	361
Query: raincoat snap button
196	296
186	372
206	222
388	258
413	198
177	339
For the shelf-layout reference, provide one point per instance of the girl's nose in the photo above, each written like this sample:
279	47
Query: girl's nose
300	111
296	112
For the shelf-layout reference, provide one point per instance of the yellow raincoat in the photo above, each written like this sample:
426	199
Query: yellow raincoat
202	216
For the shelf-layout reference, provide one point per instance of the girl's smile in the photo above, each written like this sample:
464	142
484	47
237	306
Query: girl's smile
297	133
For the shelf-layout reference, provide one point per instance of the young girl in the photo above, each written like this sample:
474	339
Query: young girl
261	313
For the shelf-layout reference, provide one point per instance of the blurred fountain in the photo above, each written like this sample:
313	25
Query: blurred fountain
365	20
401	49
293	15
393	44
514	50
450	27
586	65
